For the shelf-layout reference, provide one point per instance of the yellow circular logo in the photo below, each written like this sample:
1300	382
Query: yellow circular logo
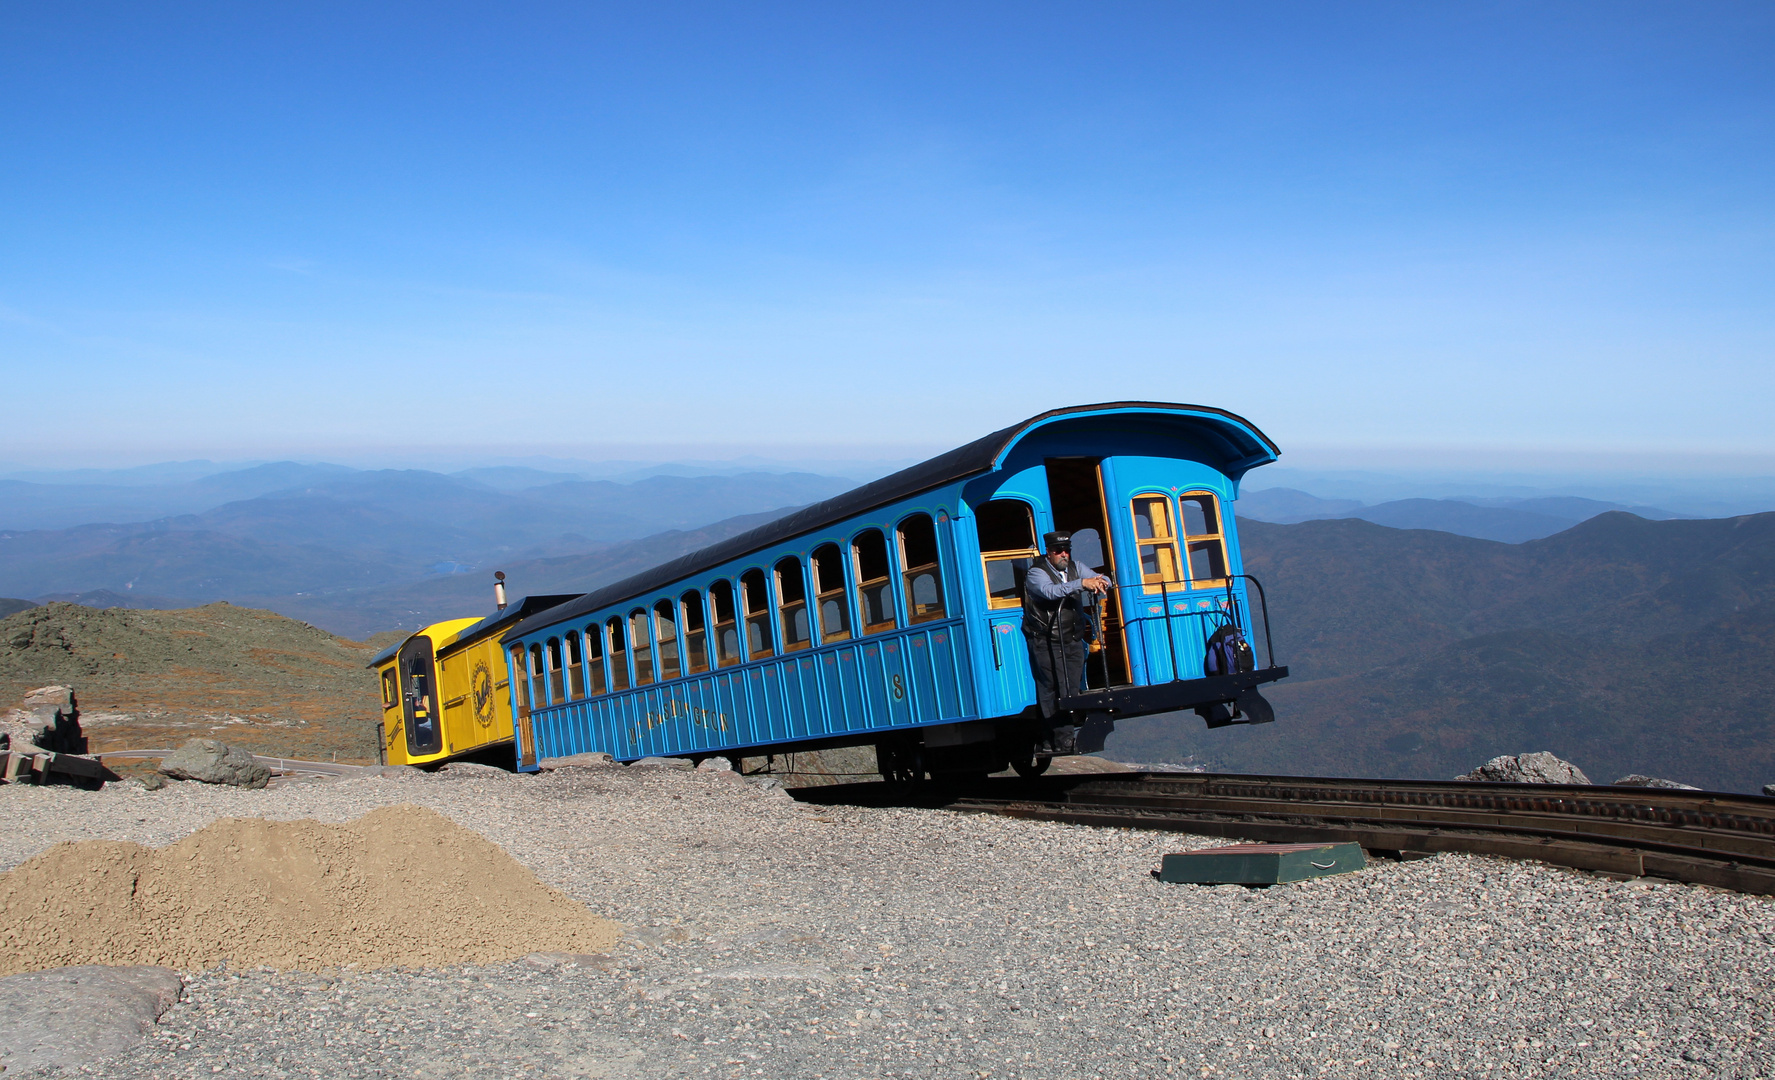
481	691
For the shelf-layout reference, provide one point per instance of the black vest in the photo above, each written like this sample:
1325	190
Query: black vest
1050	619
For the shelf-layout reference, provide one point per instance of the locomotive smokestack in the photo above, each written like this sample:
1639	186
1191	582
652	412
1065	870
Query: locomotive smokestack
499	588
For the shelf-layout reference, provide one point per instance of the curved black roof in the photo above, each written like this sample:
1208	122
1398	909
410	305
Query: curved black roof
1241	445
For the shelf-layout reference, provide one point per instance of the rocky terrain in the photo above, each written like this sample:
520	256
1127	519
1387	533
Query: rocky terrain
152	679
770	938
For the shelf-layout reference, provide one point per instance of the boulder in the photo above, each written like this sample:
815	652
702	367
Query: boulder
472	768
215	762
68	1016
1769	789
1640	780
1537	768
666	762
714	764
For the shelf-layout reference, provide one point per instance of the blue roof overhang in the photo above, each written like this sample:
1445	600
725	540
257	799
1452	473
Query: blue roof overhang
1225	440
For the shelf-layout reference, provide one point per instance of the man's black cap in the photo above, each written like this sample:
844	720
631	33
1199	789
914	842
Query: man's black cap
1057	541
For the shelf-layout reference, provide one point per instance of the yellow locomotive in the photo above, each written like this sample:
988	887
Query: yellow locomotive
444	689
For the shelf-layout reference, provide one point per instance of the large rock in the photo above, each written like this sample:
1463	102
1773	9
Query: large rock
72	1015
215	762
1640	780
1537	768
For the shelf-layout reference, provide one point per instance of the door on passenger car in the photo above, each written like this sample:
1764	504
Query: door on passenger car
1076	502
419	698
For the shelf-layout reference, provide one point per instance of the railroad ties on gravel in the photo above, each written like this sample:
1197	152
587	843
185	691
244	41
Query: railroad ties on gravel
770	938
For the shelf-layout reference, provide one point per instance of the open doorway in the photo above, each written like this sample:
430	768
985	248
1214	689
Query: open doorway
1075	499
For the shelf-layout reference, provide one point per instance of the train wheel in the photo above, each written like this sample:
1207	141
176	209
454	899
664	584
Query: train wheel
1030	766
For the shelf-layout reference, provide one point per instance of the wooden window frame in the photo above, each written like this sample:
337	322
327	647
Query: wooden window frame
538	678
621	678
520	659
746	615
574	658
557	670
641	656
786	609
691	665
987	558
597	678
841	594
909	574
1167	546
1217	539
890	557
660	640
718	657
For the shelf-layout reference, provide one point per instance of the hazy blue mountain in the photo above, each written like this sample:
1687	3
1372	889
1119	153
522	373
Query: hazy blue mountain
514	477
1622	644
12	606
1506	519
357	613
1288	505
105	598
39	505
354	529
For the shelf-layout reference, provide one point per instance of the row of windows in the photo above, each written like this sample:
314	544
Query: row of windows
768	615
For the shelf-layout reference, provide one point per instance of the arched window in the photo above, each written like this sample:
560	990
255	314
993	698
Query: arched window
594	636
918	567
576	670
875	582
1006	528
829	594
557	680
1207	544
538	689
641	645
696	641
619	655
525	699
1156	537
665	626
792	605
760	642
727	628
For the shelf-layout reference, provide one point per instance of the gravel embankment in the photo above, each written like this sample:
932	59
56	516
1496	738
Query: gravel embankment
772	939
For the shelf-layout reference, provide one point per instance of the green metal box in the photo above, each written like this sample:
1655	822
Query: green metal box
1260	864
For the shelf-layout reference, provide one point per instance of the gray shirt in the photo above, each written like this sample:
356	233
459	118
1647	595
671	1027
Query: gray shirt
1054	585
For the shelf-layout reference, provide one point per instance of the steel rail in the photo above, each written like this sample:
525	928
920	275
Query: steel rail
1705	837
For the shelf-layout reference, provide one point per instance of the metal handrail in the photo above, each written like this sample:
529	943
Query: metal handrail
1234	609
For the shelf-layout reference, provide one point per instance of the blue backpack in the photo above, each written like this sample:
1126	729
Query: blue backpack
1228	652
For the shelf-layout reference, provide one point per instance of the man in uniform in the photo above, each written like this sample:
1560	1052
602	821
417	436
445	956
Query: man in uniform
1055	624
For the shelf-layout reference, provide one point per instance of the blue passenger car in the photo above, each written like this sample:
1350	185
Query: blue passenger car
891	615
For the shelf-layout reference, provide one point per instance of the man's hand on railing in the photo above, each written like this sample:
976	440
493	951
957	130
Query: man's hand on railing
1097	584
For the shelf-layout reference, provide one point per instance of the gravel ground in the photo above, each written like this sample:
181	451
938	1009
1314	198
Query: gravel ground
774	939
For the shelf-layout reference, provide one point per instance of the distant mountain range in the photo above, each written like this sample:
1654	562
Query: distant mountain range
338	530
1623	645
1511	521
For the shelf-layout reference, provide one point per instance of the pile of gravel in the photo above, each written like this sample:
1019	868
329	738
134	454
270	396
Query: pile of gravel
768	938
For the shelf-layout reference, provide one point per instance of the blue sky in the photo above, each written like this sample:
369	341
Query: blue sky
1375	229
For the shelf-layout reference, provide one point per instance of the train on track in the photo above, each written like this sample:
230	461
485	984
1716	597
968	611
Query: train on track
887	616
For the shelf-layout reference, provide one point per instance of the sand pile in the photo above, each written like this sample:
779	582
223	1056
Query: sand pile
400	887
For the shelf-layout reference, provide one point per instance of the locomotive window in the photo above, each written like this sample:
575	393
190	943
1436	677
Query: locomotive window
760	642
619	656
525	700
1156	538
557	678
666	627
1007	546
594	660
538	690
727	634
696	641
576	671
924	582
792	604
641	645
1207	544
391	688
875	587
835	608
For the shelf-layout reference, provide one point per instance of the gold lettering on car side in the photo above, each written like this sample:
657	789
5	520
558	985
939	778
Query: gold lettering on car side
676	710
